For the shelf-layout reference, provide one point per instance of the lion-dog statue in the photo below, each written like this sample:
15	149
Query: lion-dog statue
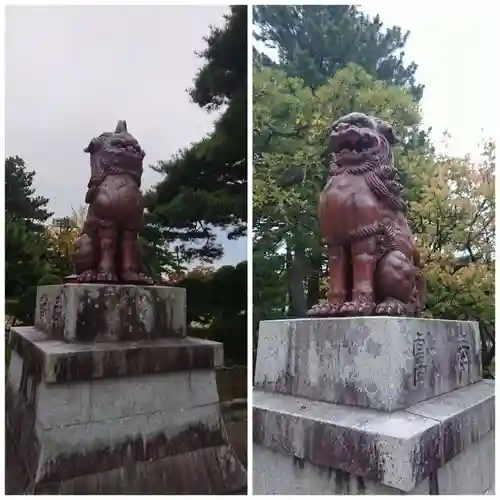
373	263
109	250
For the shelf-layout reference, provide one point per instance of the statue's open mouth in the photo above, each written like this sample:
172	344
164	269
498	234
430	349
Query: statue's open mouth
354	145
131	152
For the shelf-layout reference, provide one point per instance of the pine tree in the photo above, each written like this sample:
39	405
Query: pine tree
205	186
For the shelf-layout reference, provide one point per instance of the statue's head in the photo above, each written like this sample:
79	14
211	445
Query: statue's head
117	148
357	138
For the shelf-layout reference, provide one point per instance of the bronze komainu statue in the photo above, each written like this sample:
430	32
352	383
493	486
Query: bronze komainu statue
109	250
373	263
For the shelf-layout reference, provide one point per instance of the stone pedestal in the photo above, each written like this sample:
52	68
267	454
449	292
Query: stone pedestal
109	313
135	410
371	406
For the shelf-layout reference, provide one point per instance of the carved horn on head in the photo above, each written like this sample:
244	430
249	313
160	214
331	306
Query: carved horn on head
121	126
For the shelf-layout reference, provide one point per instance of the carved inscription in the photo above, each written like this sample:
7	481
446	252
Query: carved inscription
43	308
57	314
419	358
463	356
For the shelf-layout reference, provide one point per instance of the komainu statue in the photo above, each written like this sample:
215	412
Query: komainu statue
373	263
109	250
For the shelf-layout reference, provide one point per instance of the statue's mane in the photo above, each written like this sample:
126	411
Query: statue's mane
380	174
100	164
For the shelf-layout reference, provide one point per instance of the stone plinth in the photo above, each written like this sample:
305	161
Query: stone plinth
59	362
123	417
361	446
375	362
371	406
109	313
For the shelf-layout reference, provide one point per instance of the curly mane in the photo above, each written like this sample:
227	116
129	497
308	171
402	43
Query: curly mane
381	176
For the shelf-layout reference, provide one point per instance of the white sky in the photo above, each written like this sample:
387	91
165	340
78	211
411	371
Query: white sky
457	57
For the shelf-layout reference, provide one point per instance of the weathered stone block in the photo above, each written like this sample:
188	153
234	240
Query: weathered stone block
385	363
399	449
204	471
108	313
105	399
471	472
60	362
291	476
139	434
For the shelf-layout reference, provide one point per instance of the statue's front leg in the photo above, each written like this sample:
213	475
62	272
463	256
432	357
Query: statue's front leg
363	254
129	257
107	236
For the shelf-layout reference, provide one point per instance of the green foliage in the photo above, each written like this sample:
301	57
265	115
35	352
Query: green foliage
24	308
316	41
454	220
217	306
25	239
25	254
205	185
20	202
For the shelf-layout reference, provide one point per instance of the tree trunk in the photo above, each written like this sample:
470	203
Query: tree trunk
313	282
298	301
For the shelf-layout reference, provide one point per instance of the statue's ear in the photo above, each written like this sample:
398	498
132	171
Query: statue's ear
92	147
387	131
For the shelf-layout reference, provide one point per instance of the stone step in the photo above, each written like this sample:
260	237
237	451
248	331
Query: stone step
60	362
398	449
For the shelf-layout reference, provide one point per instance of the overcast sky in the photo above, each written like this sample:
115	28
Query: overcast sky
457	56
73	72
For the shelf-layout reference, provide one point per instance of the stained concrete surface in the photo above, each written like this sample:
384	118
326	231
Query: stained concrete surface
375	362
397	449
107	313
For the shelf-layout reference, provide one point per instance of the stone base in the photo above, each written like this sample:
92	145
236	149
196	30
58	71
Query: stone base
441	446
466	474
384	363
57	362
99	312
124	418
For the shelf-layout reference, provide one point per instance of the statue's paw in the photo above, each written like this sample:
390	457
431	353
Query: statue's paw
146	280
325	309
106	277
138	278
319	309
86	277
130	277
391	307
357	308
